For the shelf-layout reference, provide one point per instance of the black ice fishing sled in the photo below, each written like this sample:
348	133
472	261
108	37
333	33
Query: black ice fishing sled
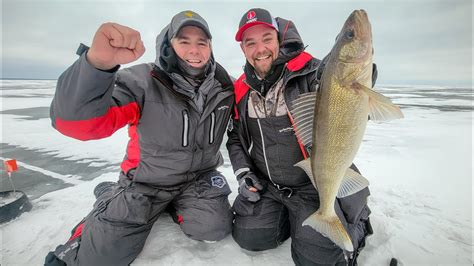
12	204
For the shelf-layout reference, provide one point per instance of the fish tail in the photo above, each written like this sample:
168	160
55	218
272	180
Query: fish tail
332	228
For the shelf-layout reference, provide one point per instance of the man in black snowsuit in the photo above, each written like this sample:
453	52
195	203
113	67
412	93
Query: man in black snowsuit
275	197
177	110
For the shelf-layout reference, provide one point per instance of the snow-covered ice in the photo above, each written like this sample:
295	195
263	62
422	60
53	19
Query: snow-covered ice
420	169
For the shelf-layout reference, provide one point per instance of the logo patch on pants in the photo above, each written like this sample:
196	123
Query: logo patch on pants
218	181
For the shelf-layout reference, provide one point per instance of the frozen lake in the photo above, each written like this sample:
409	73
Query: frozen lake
420	169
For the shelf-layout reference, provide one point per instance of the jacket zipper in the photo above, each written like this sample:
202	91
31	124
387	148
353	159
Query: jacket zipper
280	188
265	154
211	131
185	128
245	102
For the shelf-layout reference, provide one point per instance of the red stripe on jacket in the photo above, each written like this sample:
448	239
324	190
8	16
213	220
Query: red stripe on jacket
77	232
133	150
102	126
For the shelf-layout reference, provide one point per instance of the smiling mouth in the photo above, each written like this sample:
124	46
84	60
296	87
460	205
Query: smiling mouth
263	57
193	61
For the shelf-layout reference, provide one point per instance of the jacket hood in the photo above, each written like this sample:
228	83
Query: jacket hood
166	58
163	48
180	20
290	40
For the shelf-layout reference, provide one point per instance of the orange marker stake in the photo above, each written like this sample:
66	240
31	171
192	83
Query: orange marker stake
11	166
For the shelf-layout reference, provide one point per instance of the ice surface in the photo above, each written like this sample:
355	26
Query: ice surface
420	170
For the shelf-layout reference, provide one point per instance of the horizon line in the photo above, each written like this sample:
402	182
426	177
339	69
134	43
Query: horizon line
462	84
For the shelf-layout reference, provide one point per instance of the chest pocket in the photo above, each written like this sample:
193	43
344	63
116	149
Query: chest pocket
212	128
218	120
164	125
185	131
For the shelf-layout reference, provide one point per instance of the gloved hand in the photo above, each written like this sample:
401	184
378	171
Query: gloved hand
249	186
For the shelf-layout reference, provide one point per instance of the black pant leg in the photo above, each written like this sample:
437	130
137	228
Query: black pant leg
261	225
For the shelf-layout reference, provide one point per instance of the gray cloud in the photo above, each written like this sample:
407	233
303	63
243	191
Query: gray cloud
415	41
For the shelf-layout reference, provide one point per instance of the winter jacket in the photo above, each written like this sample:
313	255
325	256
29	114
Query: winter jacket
171	142
299	76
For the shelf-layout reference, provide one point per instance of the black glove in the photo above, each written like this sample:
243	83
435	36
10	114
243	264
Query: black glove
52	260
374	74
249	181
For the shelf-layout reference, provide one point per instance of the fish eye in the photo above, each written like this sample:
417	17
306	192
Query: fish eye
350	34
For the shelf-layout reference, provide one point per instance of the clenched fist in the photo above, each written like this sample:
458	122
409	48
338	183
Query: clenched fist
113	45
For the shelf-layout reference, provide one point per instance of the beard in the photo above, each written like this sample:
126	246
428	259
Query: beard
262	71
263	67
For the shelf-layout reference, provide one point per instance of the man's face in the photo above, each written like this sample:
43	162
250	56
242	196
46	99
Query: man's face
260	46
192	45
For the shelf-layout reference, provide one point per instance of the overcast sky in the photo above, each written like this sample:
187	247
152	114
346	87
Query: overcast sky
415	42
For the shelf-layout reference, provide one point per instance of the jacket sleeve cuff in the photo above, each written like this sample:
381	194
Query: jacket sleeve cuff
240	172
112	70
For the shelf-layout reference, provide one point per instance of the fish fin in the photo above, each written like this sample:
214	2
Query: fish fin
351	183
306	166
302	111
332	228
381	108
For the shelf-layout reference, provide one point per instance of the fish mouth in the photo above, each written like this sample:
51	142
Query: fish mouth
356	38
360	14
361	25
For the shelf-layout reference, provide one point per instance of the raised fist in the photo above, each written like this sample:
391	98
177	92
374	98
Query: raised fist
113	45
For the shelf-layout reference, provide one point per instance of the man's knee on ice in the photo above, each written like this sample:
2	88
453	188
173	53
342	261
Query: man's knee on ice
212	229
258	239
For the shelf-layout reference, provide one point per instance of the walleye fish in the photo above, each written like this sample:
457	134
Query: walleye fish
334	119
